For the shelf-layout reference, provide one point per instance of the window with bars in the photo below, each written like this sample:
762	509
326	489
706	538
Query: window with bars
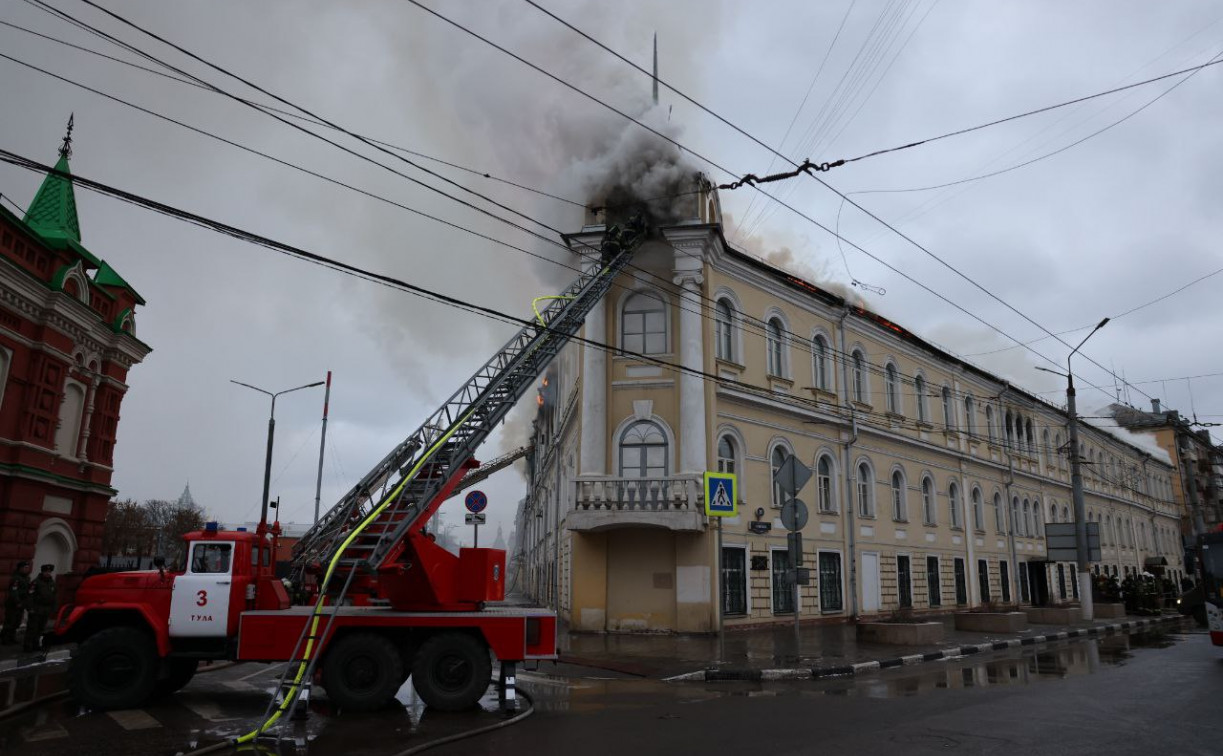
934	588
831	599
961	582
904	581
783	583
1004	579
983	580
734	580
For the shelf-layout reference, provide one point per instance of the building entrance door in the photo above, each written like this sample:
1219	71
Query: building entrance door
870	582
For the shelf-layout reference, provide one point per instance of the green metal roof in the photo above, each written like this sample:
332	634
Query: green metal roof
106	276
53	212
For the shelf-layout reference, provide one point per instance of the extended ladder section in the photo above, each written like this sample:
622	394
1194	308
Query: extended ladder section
402	485
486	469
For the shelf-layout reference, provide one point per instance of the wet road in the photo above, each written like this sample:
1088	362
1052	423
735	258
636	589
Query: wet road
1159	693
1150	693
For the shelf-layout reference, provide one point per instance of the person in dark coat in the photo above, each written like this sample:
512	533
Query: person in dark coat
43	603
15	602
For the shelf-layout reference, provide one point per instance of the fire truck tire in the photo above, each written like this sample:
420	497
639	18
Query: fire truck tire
177	673
451	671
362	672
114	668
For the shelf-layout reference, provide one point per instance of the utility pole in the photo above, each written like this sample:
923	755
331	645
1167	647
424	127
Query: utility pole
322	447
1076	484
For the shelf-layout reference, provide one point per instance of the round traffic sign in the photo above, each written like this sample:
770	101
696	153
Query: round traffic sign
794	515
476	501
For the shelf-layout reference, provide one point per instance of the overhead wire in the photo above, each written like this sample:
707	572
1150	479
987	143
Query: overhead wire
794	338
290	114
448	300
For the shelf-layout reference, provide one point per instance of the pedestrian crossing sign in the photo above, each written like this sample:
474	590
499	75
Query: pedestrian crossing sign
720	498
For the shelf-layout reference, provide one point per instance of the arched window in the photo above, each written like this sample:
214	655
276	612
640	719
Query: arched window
726	454
56	545
643	451
989	423
948	409
819	356
1053	511
1031	438
1066	514
970	416
1010	431
776	460
899	507
1107	535
929	509
1016	520
823	480
70	411
866	490
1037	530
643	325
953	505
773	345
859	378
724	324
978	510
890	386
1045	453
999	515
919	390
1057	450
1027	529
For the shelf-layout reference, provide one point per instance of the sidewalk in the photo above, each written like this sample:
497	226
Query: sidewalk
818	650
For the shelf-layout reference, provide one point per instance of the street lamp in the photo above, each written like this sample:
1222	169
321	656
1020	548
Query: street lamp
267	465
1076	482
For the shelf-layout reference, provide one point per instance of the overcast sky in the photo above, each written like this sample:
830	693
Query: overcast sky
1094	231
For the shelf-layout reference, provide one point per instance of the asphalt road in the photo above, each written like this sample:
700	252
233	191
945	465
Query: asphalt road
1148	694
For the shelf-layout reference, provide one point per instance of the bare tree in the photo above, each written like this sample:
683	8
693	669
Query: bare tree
154	528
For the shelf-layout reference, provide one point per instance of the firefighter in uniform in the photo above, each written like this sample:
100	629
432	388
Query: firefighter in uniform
42	605
15	602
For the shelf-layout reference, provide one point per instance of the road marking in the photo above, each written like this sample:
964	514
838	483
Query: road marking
206	709
275	668
53	731
134	719
238	685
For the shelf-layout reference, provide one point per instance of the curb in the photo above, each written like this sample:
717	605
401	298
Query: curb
849	670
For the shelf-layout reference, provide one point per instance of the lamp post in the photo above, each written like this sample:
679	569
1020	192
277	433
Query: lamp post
1076	483
267	464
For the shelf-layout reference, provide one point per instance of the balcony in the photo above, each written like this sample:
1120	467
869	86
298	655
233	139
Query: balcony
608	503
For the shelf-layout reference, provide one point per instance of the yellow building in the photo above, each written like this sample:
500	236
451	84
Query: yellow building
933	478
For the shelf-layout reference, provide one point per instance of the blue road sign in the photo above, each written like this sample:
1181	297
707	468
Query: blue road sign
476	501
720	499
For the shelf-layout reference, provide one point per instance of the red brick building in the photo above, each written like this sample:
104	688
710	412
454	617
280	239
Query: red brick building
67	340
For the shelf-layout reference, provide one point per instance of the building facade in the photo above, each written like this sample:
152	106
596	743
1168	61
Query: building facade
933	479
1198	463
67	341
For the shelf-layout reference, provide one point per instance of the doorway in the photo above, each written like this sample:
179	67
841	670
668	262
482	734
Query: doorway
1038	579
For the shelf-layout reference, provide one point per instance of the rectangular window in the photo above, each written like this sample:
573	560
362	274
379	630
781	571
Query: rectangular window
211	558
961	583
1004	578
904	581
830	582
734	581
983	579
1061	581
1074	581
933	589
783	583
1024	593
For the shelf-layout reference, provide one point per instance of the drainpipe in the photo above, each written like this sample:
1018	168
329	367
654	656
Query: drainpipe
846	498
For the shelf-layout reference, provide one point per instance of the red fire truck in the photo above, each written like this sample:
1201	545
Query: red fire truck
380	600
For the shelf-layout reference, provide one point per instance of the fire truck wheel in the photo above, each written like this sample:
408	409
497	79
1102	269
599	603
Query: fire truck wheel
176	674
452	671
115	668
362	672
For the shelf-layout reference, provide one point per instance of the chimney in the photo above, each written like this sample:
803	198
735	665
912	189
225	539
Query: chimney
1155	406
